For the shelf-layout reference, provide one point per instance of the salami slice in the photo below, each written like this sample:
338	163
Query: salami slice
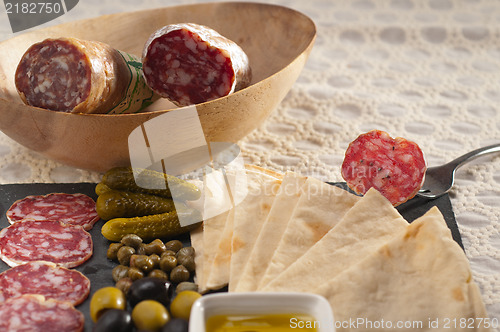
52	241
33	313
81	76
395	167
47	279
73	209
190	64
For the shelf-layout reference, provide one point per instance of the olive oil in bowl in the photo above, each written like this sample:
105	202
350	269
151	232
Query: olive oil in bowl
262	323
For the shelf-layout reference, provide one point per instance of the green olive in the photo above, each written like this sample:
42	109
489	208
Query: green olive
182	303
155	247
179	274
168	263
124	254
158	274
150	315
119	272
186	285
104	299
113	251
135	274
142	262
131	240
174	245
124	284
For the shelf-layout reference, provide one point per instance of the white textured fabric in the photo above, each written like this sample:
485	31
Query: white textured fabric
426	70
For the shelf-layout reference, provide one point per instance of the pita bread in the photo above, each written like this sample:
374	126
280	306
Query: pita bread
196	236
249	216
320	207
421	275
272	229
371	222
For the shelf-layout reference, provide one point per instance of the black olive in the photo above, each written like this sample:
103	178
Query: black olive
150	288
176	325
114	320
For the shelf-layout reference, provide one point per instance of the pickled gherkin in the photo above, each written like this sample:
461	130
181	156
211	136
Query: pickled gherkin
122	178
101	188
163	225
116	204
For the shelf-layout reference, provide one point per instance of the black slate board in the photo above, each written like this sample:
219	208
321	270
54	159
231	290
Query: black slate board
98	267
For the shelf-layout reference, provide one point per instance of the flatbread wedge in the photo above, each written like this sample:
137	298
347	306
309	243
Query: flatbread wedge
370	223
320	207
272	230
419	277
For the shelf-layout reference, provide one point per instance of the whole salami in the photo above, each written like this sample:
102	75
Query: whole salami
394	166
47	279
73	209
81	76
33	313
52	241
190	64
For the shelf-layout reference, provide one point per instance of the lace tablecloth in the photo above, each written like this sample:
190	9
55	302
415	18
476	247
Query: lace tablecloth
426	70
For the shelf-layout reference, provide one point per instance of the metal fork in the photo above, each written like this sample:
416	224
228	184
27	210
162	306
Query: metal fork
439	180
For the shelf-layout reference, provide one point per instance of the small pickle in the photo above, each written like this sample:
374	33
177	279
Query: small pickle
118	204
124	254
154	226
155	247
142	262
131	240
119	272
101	188
137	180
112	252
179	274
174	245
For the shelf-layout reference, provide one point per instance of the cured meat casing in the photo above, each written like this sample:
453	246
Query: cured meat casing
33	313
30	240
47	279
74	209
190	64
395	167
81	76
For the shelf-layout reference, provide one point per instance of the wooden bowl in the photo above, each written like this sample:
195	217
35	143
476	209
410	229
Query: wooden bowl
276	39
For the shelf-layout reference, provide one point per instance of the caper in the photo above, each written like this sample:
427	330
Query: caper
167	253
124	254
186	251
149	315
141	250
113	250
155	259
179	274
135	274
124	284
167	263
106	298
186	285
187	262
131	240
142	262
156	273
155	247
174	245
119	272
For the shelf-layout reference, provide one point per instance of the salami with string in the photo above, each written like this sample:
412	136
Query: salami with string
35	314
73	209
190	64
394	166
52	241
81	76
44	278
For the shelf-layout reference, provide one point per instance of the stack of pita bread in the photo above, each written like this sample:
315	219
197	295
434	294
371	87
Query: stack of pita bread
292	233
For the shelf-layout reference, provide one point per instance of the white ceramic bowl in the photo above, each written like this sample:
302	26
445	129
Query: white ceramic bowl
262	304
